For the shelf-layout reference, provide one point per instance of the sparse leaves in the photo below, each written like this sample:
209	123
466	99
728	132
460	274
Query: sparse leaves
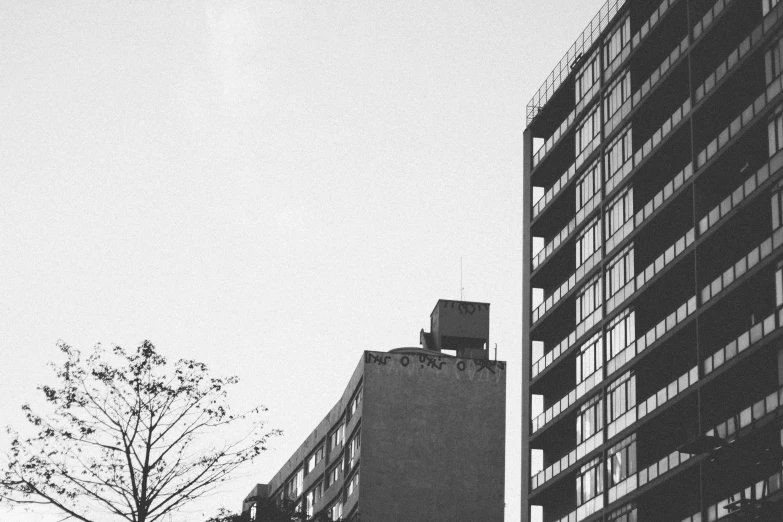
129	437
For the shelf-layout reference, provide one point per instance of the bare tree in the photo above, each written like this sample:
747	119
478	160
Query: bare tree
129	435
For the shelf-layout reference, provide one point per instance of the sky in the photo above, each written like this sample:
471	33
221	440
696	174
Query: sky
270	187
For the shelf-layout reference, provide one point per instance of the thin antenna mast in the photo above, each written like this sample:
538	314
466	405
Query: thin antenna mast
461	288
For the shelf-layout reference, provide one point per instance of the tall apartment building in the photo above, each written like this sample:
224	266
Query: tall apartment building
418	435
652	263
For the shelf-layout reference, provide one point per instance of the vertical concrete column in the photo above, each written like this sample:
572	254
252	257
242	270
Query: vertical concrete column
527	345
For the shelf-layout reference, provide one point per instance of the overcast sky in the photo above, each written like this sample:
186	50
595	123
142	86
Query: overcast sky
270	187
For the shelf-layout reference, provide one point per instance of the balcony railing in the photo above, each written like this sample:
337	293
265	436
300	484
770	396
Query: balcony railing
550	194
560	406
579	47
615	180
642	278
652	335
748	338
637	412
739	268
567	286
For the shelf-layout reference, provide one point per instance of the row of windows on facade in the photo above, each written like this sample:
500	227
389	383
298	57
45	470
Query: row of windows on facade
293	487
620	463
334	511
621	268
589	73
619	91
620	149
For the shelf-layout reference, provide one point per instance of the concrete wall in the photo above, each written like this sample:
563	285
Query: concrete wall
433	439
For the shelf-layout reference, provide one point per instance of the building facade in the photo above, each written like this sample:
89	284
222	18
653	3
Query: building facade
652	266
418	435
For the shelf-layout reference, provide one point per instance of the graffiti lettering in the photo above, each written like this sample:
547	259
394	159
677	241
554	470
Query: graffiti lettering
377	359
467	308
405	361
461	366
489	365
431	362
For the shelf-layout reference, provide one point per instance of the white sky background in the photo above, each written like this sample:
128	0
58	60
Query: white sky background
270	187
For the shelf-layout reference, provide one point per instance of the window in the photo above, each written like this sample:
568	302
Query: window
767	5
589	481
618	93
588	129
621	461
615	44
588	242
620	333
294	487
620	271
779	284
588	185
627	513
312	497
775	131
335	511
253	512
619	212
589	422
621	396
316	457
590	358
337	436
353	449
353	483
777	206
587	77
618	152
773	61
334	473
589	299
357	399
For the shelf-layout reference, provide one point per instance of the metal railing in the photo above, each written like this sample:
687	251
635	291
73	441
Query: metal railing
577	49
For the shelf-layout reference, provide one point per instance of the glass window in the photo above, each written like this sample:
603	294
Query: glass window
589	299
775	131
618	93
619	38
334	473
588	129
620	333
589	482
590	419
336	511
312	497
353	483
618	152
353	448
619	211
590	358
621	461
588	242
779	285
588	185
357	399
777	206
620	271
314	459
621	396
587	77
627	513
337	436
253	512
767	5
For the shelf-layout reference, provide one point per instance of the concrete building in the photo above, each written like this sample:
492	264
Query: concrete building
418	435
652	268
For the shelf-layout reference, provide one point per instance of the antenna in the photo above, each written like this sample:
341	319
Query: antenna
461	288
